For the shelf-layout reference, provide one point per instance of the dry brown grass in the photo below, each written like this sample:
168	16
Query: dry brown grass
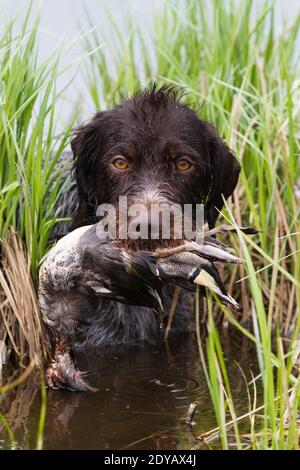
20	321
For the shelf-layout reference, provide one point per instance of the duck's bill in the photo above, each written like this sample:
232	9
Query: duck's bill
206	280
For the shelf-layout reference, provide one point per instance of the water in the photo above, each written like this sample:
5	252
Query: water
144	392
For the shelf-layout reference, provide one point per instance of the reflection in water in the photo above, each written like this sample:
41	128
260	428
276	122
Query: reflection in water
144	392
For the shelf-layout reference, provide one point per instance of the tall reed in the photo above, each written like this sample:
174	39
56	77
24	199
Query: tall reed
239	72
30	179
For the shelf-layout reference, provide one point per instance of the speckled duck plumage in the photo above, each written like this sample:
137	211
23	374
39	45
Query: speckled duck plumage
94	292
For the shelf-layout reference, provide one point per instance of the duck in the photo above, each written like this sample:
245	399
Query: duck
77	272
83	268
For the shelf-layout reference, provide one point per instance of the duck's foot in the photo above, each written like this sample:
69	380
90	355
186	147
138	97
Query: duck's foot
62	373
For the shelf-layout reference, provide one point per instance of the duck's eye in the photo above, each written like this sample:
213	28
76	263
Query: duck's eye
120	163
183	164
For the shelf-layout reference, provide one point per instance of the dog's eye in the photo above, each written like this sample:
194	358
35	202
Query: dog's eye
183	164
120	163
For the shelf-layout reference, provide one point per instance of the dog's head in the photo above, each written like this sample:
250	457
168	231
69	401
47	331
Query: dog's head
151	147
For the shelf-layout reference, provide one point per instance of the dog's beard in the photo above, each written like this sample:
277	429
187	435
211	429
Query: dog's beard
141	234
147	245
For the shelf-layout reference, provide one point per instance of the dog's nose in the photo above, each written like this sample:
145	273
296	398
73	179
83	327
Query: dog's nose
148	214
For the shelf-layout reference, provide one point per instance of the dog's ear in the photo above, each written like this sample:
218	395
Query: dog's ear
225	171
86	147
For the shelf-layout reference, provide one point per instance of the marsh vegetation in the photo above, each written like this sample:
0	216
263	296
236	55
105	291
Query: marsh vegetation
240	73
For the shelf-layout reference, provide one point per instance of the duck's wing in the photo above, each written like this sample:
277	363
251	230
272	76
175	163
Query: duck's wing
209	252
224	228
144	264
118	276
209	240
100	289
214	253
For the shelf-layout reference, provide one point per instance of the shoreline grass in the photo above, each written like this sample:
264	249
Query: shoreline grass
241	75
